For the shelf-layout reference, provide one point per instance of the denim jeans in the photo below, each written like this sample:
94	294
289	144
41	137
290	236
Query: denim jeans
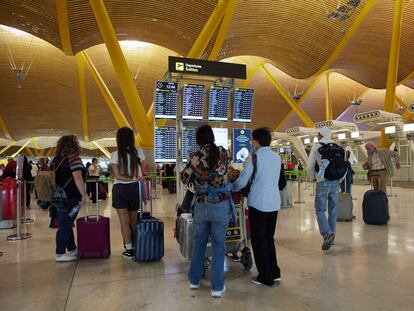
64	235
210	220
327	194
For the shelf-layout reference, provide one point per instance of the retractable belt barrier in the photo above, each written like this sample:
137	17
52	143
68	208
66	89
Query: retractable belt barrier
298	174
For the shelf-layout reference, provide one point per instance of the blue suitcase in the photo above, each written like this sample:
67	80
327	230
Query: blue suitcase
149	240
148	236
375	208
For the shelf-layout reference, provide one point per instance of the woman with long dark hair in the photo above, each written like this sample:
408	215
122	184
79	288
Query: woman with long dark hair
69	182
126	168
206	170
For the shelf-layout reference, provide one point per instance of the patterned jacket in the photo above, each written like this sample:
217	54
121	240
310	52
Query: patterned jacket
197	174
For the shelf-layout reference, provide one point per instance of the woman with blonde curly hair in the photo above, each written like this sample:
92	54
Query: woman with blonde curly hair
70	185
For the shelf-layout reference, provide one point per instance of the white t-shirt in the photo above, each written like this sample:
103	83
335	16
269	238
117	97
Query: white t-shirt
115	160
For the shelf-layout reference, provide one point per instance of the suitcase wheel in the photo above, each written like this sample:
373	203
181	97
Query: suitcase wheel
246	258
206	265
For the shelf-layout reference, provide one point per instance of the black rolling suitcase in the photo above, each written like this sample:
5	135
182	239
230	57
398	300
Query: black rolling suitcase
148	236
375	207
172	186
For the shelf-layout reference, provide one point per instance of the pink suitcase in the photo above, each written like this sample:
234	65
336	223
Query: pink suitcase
93	236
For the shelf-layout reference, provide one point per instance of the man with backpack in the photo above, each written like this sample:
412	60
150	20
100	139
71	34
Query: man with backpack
326	165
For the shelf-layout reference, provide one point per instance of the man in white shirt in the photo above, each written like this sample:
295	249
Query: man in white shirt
327	191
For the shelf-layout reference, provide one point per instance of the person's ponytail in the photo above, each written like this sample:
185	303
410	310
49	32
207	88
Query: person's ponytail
214	156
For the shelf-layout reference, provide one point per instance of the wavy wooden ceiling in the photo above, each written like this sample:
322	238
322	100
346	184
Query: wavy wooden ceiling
294	36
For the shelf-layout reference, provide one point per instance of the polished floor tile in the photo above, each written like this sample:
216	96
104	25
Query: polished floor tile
368	268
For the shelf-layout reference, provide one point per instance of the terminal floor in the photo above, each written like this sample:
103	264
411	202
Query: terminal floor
369	268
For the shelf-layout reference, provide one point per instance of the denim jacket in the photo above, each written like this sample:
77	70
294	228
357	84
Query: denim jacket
213	197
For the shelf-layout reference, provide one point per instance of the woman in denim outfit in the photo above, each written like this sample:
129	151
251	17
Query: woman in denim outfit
207	172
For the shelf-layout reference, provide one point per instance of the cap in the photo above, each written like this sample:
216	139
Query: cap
325	132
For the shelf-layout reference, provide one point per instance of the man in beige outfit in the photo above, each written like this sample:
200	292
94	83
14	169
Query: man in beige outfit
379	165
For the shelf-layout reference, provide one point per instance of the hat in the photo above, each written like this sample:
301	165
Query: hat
325	132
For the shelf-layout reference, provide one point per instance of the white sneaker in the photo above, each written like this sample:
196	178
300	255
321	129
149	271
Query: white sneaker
194	286
218	293
65	258
73	253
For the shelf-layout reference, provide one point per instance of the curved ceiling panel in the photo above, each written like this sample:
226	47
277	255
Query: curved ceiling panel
37	17
296	35
173	24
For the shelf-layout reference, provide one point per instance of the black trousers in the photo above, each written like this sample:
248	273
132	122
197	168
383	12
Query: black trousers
263	226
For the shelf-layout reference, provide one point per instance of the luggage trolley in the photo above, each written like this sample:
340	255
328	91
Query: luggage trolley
238	234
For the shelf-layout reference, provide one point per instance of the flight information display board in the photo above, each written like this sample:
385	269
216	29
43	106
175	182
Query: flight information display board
165	144
243	104
165	100
189	142
219	103
193	102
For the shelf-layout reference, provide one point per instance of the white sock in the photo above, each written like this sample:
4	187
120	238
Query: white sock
128	246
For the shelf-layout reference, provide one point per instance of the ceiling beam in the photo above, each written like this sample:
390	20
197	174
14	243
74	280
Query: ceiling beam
224	28
127	84
5	129
109	99
393	64
301	114
63	23
328	103
83	98
344	41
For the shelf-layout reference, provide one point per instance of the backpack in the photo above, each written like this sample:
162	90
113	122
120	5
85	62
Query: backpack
337	166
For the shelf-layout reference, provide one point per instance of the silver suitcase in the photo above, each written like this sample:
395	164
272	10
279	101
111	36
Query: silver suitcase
186	235
345	207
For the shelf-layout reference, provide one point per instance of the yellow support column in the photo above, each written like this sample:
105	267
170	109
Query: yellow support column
302	98
301	114
82	89
328	104
5	129
36	145
208	30
134	103
393	64
201	42
406	114
63	23
102	148
224	27
21	148
10	144
29	152
109	99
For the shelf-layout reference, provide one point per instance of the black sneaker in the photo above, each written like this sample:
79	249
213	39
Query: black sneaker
128	254
327	241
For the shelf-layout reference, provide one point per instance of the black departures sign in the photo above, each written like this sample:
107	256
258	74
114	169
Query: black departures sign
206	68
